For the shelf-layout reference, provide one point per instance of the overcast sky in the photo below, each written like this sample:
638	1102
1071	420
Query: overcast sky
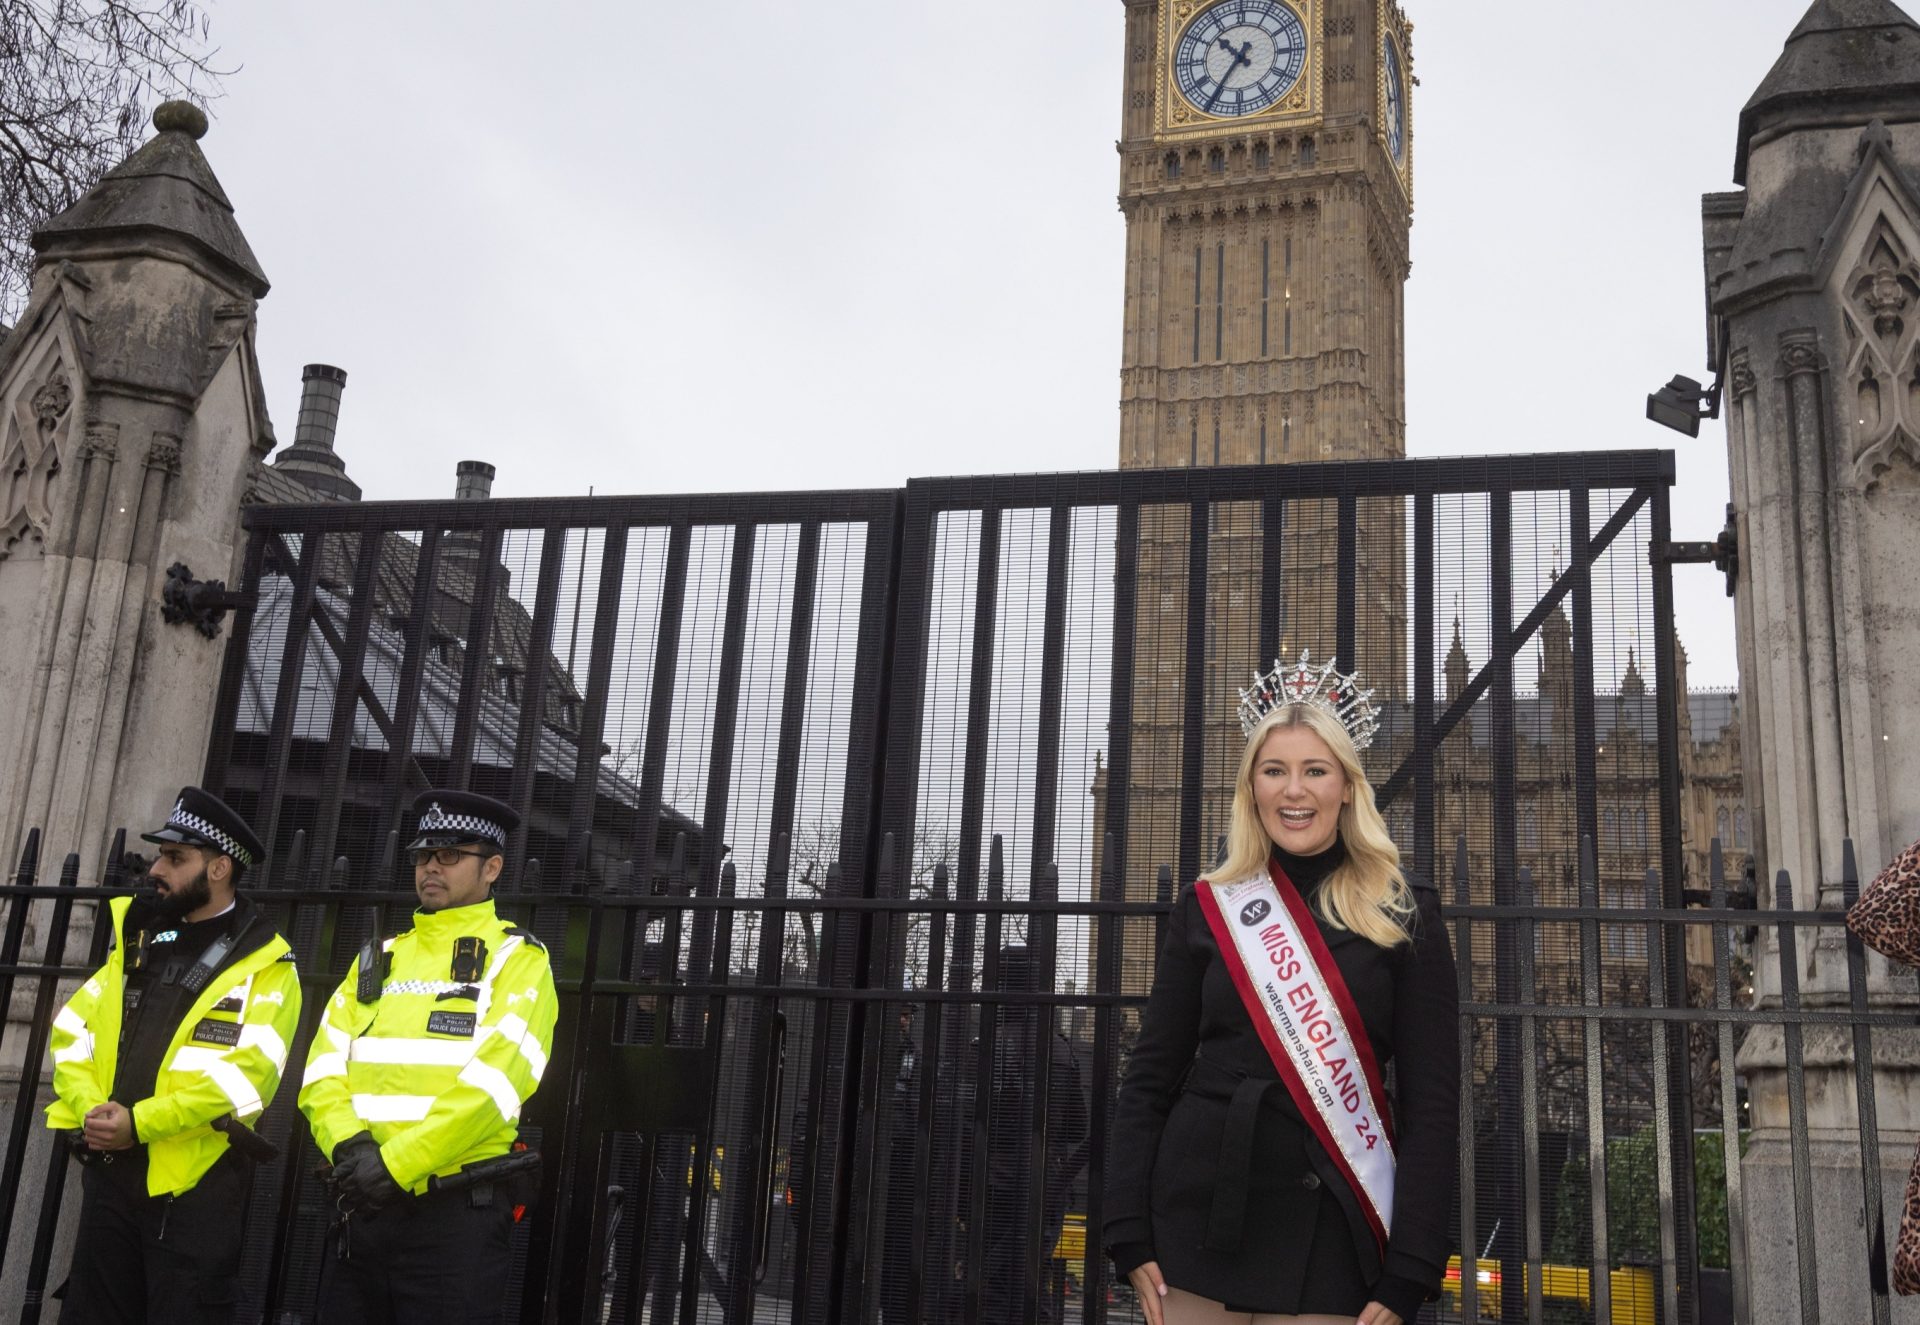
642	248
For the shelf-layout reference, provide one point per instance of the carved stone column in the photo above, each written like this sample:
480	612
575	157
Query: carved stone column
1814	293
131	417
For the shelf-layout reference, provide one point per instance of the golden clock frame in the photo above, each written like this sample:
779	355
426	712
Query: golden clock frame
1176	119
1394	27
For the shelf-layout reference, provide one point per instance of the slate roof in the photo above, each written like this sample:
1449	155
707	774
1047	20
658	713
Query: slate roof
455	583
494	739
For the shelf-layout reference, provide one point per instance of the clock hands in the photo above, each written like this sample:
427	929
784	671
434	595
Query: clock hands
1239	58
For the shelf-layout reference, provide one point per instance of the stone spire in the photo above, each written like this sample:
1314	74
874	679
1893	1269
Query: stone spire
1857	56
1456	666
164	188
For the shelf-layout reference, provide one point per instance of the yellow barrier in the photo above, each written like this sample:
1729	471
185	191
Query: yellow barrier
1072	1247
1633	1289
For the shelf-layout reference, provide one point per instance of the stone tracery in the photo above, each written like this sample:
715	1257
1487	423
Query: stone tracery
33	440
1883	365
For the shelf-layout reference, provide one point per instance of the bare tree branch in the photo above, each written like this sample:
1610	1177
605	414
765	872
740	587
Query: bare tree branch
76	77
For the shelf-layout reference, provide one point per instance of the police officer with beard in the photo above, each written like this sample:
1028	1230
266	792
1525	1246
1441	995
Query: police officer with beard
159	1060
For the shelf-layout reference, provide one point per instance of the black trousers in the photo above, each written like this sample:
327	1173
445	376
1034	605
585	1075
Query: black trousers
425	1260
156	1260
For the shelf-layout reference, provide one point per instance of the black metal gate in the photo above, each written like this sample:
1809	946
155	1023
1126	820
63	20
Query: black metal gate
851	817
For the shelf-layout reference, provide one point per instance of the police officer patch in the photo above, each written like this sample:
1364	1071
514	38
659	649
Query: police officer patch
450	1023
210	1031
1255	911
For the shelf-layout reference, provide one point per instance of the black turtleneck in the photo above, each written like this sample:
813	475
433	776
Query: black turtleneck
1306	872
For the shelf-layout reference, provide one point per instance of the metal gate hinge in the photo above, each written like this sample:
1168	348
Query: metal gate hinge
203	602
1723	553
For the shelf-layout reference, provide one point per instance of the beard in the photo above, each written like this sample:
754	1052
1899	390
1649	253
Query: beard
176	903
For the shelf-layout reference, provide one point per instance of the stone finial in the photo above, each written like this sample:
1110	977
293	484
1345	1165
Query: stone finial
1876	134
180	117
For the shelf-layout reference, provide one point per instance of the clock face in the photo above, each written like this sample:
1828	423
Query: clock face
1396	101
1240	57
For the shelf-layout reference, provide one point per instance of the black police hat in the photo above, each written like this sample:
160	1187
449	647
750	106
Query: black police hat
201	819
455	818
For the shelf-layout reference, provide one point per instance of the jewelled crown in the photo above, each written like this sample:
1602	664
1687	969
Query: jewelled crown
1322	686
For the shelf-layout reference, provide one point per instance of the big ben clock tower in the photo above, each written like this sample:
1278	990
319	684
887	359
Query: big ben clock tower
1266	178
1267	182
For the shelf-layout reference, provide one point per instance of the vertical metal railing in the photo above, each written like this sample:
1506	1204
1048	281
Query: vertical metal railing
721	997
1002	1004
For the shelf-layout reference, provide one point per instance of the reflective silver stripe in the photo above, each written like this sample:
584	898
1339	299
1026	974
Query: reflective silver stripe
485	1076
412	1052
232	1081
261	1036
81	1050
514	1027
326	1065
392	1108
493	973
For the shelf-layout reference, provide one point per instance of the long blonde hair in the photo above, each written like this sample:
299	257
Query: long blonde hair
1367	893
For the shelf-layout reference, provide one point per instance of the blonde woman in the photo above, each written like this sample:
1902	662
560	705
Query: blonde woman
1262	1173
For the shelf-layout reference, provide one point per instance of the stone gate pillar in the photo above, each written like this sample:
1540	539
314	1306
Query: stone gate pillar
1813	289
131	418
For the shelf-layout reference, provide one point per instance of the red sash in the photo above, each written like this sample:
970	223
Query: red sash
1305	1016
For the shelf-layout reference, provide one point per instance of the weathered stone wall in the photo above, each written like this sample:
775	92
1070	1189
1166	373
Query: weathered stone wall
134	417
1813	281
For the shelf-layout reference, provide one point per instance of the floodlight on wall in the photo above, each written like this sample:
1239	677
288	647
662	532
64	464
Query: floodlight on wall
1682	403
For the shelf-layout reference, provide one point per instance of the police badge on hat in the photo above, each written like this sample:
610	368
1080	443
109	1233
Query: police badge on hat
459	818
201	819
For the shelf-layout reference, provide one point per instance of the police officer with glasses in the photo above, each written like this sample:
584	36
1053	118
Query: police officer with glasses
415	1081
160	1061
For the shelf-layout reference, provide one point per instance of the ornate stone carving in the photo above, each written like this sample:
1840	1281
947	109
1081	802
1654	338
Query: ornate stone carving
1881	395
50	402
33	439
164	454
1741	380
102	441
1800	357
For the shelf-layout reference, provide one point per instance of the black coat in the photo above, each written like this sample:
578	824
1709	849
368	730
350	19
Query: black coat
1300	1244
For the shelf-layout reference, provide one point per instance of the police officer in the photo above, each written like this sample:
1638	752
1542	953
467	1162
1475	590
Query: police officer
428	1049
159	1060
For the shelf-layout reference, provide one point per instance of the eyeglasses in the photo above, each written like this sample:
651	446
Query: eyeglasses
445	857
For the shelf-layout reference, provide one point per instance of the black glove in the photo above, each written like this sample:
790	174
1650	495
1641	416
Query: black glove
360	1178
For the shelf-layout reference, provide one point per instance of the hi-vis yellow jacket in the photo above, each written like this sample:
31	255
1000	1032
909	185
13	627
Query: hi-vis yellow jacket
436	1068
225	1057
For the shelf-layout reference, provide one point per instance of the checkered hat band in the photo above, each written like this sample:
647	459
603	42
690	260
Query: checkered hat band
186	819
469	825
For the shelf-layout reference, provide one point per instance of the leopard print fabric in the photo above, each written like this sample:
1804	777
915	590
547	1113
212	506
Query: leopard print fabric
1887	919
1887	916
1906	1251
